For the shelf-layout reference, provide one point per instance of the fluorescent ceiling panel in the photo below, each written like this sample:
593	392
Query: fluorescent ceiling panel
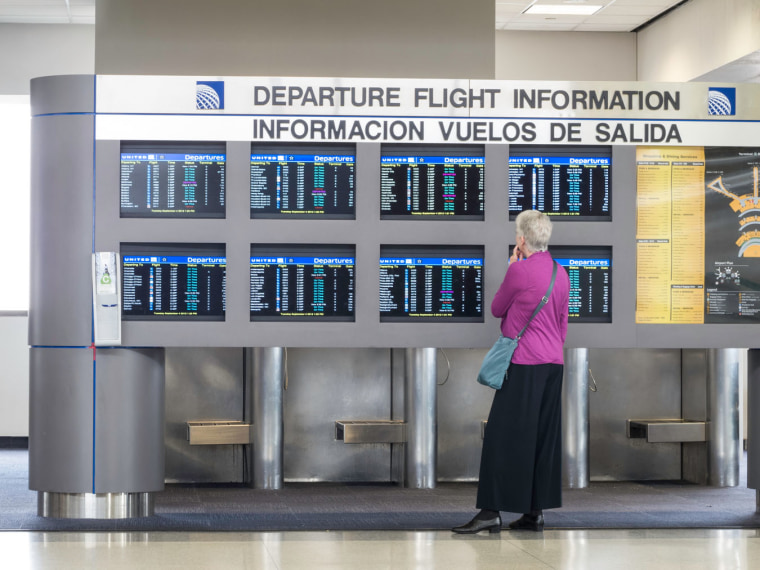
564	9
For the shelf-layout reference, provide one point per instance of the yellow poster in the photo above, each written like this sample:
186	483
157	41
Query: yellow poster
670	235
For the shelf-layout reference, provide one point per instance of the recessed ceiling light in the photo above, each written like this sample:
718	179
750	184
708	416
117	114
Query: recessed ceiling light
564	9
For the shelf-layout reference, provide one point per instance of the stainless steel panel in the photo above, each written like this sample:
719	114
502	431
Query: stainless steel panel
203	384
753	421
633	383
94	506
694	384
325	385
694	407
218	432
370	431
463	405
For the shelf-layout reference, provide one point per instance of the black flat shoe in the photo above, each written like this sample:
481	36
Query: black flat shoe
527	522
491	525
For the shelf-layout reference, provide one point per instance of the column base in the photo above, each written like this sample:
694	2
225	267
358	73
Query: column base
94	506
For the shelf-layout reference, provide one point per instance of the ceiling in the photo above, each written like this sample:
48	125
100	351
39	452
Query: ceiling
614	16
47	11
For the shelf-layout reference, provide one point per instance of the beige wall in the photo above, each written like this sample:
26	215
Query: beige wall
698	37
566	56
332	38
36	50
30	50
14	376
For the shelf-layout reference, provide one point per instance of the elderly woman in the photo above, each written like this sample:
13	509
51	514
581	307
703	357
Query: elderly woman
521	461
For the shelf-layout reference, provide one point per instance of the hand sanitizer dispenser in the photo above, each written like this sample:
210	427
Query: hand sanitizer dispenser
106	298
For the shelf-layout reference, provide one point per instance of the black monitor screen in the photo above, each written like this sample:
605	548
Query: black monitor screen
566	183
431	283
429	183
590	272
302	282
173	281
173	180
303	182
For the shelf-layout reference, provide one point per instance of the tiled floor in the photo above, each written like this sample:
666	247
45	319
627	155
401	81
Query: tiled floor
574	549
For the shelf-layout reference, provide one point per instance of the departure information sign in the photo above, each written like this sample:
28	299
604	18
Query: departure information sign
161	183
156	287
564	187
302	287
590	283
432	186
303	185
431	288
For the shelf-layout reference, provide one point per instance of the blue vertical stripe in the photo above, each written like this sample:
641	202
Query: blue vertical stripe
92	330
94	399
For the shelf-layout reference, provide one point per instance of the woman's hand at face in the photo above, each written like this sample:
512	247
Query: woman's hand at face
517	255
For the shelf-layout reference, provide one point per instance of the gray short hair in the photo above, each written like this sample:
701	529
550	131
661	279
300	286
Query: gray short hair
536	228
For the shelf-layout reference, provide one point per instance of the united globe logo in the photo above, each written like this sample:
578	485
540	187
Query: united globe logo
721	101
209	95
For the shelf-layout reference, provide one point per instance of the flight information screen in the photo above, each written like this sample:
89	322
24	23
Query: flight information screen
572	185
172	180
303	182
421	184
302	282
431	284
173	282
590	272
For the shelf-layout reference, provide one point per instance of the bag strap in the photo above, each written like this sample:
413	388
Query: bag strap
544	300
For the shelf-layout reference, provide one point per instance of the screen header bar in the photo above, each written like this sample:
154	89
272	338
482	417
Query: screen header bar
445	261
309	260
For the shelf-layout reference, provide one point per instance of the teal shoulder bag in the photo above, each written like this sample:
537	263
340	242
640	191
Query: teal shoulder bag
493	371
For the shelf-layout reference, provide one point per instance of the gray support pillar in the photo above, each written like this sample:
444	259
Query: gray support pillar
267	449
575	435
420	412
723	442
96	432
96	421
753	423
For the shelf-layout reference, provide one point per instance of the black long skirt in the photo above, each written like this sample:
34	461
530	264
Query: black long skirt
521	462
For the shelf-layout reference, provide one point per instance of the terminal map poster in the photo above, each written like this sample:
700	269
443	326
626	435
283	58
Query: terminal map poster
697	235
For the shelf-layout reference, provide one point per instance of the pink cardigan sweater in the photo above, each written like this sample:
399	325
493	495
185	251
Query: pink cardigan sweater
525	283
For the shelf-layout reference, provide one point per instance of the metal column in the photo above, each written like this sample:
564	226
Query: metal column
267	449
723	442
575	436
420	412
